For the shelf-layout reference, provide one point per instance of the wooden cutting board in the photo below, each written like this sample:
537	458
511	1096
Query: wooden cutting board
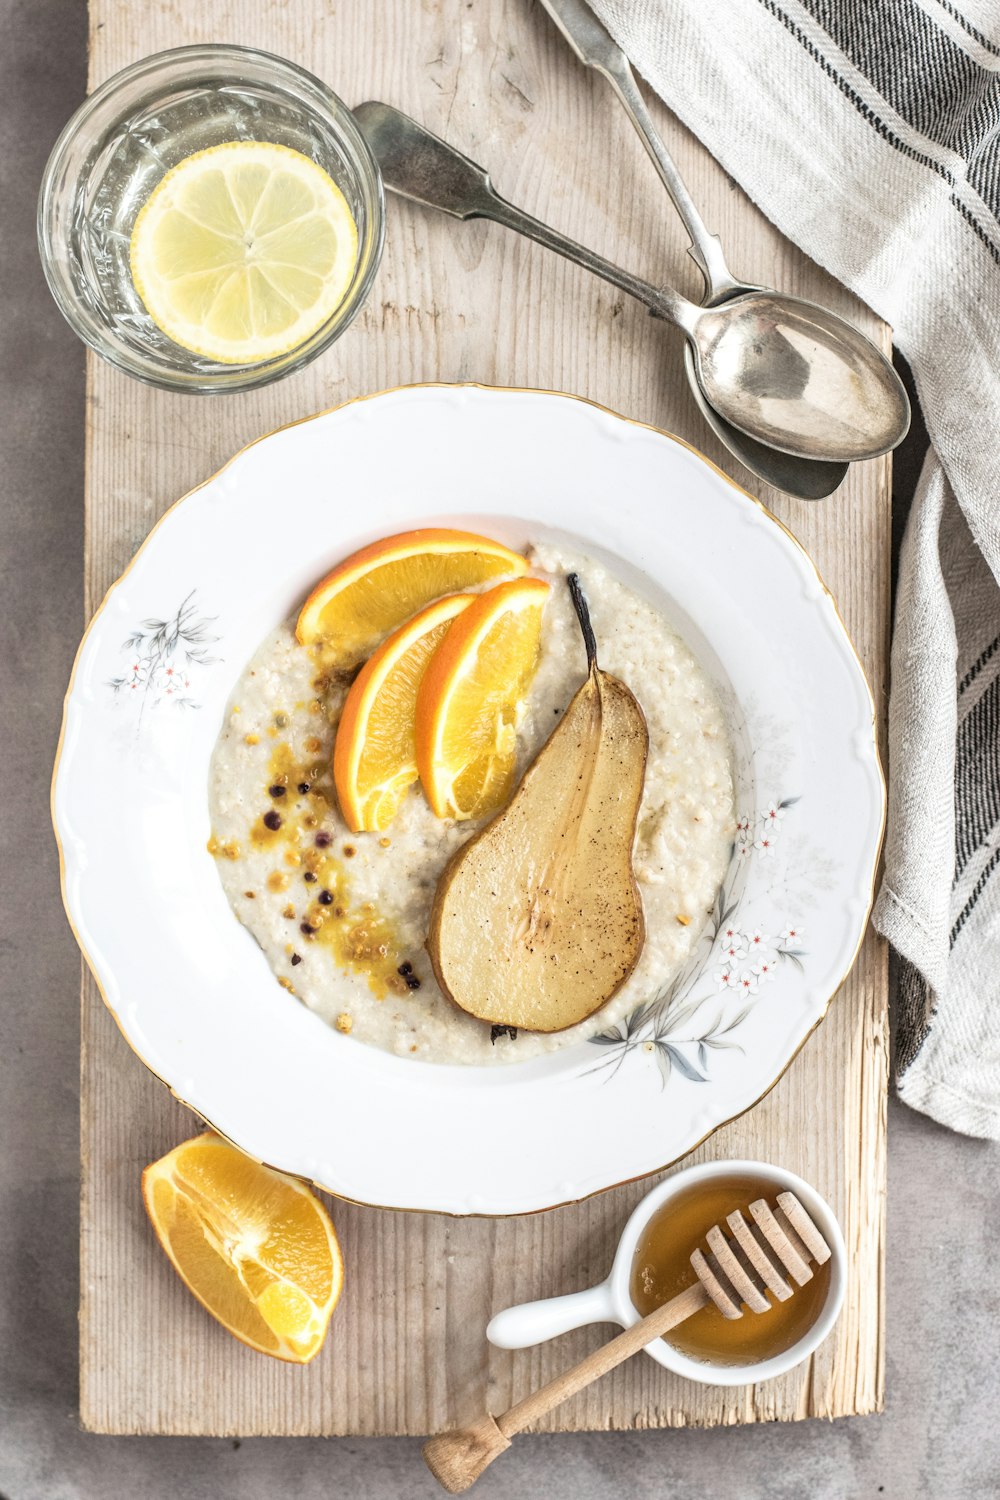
454	301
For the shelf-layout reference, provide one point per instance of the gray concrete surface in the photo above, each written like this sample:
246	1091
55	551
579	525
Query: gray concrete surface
939	1438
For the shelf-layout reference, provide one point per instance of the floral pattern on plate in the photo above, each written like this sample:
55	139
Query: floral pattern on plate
163	656
673	1027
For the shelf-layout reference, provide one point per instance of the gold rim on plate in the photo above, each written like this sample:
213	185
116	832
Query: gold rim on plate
632	422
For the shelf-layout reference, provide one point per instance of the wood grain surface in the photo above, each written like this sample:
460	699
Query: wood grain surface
406	1352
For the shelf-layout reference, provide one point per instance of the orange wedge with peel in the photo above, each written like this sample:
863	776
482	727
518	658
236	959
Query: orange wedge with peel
473	697
256	1247
375	590
375	756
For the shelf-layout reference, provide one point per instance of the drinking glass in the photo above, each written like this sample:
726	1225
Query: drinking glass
127	136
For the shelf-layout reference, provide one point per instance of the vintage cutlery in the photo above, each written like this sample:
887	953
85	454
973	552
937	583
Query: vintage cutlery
806	478
785	371
768	1255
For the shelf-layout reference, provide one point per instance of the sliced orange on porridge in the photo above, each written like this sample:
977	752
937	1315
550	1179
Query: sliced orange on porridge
473	697
375	756
375	590
256	1247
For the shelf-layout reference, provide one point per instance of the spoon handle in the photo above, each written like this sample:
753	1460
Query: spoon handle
662	301
420	166
597	49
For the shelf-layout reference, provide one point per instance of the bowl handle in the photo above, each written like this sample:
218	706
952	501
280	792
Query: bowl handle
534	1322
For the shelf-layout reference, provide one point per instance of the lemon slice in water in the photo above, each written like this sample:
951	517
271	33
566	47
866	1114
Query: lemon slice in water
243	250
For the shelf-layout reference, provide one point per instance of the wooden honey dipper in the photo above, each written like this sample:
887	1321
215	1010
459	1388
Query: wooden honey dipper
735	1271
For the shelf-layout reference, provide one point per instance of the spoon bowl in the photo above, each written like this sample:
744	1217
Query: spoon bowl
805	478
797	377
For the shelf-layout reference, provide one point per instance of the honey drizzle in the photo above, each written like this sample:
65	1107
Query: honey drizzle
357	935
662	1268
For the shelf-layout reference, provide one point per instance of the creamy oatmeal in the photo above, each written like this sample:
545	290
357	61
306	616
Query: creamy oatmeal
342	917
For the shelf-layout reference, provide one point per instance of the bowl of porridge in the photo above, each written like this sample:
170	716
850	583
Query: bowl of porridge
271	956
342	916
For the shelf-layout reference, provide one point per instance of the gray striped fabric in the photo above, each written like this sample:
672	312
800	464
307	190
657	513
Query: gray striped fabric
869	132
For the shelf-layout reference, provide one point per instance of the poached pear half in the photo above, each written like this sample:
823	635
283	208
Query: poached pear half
537	920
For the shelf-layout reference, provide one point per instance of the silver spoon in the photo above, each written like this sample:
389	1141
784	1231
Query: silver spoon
788	373
807	478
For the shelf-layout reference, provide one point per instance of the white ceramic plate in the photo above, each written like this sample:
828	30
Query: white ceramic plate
187	984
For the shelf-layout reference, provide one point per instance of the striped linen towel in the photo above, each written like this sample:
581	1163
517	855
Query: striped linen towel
869	132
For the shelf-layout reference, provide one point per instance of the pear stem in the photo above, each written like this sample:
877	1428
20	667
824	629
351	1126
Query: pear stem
583	615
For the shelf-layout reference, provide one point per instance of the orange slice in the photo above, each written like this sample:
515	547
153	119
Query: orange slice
375	757
255	1247
375	590
473	697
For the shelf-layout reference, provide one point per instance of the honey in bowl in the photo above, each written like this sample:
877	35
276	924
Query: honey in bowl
662	1267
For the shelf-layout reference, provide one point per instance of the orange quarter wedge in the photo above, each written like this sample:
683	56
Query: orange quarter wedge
473	697
255	1247
375	756
375	590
